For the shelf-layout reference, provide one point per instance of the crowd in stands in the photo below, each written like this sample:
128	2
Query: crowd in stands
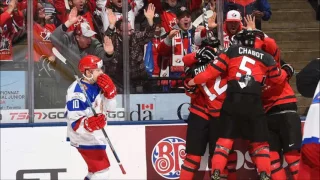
160	33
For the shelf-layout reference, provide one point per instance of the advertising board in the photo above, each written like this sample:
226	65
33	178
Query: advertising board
12	90
146	152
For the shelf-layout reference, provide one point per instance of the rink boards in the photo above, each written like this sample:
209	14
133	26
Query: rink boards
147	151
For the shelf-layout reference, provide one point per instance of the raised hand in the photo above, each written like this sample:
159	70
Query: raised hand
250	21
111	17
108	46
212	21
149	13
73	16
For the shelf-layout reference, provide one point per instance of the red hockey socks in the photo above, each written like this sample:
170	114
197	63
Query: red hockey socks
219	159
231	165
189	167
259	152
277	171
293	160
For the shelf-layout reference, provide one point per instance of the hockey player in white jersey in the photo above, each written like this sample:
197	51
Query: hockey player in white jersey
83	127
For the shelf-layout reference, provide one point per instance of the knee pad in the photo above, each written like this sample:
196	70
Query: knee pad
103	174
191	163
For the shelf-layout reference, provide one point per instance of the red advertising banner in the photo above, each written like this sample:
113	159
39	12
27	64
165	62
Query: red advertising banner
165	152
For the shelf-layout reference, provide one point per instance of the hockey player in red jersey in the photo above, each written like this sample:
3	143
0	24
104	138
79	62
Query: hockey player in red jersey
203	123
284	123
83	126
247	68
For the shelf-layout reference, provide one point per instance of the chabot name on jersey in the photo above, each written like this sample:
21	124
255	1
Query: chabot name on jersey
243	50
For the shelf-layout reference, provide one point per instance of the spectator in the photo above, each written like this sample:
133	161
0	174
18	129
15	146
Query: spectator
116	6
50	12
231	26
84	8
137	40
258	8
159	36
11	23
75	45
161	67
178	43
170	9
42	45
46	85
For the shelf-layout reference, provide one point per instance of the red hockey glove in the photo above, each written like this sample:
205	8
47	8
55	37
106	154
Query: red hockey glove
107	86
95	122
289	70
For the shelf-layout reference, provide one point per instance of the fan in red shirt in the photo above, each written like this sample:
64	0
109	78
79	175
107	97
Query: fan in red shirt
203	122
247	68
11	23
41	34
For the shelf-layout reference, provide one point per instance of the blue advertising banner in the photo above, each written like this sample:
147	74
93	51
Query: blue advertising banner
12	90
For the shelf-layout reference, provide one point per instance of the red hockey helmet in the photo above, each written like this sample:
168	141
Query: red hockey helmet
90	62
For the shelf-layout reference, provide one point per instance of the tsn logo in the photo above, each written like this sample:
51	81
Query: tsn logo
37	115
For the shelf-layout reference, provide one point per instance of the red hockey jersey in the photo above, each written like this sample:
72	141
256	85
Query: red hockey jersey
239	60
213	91
276	94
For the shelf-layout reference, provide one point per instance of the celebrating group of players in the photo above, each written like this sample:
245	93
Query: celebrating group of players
243	92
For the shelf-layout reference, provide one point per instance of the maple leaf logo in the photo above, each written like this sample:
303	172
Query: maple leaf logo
172	23
45	34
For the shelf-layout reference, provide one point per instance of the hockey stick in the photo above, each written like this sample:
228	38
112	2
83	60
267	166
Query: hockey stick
64	60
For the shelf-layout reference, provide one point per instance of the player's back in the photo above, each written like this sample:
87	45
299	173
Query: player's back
248	61
213	91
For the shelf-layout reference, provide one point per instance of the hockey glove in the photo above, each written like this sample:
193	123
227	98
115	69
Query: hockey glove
189	89
211	42
205	54
289	70
107	86
95	122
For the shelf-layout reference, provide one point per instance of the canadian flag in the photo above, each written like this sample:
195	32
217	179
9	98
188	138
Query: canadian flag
147	106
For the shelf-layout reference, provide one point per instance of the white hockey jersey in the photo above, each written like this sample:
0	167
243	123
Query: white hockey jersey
311	131
77	109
